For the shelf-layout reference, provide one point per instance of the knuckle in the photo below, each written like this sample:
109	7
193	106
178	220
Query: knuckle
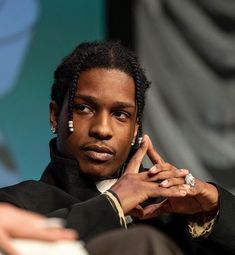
128	176
158	165
178	173
169	166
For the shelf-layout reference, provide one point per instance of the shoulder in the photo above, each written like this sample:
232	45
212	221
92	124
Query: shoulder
36	196
24	186
11	194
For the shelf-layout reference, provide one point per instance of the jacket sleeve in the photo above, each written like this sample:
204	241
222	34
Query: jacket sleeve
221	240
89	217
222	236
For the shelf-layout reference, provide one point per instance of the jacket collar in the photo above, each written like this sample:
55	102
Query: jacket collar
64	173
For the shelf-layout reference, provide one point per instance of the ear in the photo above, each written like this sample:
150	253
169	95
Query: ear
54	114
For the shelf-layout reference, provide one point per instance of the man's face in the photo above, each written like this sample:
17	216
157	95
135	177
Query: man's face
104	122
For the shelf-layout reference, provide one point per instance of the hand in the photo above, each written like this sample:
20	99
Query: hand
202	198
133	187
16	223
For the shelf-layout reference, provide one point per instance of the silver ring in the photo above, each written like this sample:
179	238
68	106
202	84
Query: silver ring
190	180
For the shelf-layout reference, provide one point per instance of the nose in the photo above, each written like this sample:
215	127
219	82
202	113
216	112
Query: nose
101	126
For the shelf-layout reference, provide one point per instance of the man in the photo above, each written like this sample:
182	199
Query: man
95	179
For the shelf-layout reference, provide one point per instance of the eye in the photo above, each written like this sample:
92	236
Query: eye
121	115
82	108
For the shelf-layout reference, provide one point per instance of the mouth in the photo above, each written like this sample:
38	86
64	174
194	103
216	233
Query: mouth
98	153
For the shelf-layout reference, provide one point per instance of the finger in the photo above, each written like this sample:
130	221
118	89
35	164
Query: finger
157	168
172	182
197	189
174	191
155	210
137	211
135	162
194	190
168	174
151	211
52	234
153	154
59	234
5	245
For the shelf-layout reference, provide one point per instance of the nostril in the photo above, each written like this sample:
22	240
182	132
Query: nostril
101	135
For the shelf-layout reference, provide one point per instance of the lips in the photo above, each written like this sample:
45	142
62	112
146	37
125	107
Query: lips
98	153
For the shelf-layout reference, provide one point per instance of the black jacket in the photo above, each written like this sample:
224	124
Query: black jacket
64	192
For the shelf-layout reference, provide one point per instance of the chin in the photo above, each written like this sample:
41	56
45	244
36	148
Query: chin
97	173
97	169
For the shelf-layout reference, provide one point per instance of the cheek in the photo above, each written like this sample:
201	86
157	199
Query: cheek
124	140
67	141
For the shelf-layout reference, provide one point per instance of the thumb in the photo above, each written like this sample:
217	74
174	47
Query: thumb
135	162
153	154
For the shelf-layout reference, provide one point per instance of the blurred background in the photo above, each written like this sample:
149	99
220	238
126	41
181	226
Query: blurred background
186	46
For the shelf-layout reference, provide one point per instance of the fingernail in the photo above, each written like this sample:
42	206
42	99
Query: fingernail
183	192
186	171
186	186
153	170
164	183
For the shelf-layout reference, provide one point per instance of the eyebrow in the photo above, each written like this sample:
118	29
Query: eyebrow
94	100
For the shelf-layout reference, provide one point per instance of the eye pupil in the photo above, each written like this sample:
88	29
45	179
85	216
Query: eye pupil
121	115
82	108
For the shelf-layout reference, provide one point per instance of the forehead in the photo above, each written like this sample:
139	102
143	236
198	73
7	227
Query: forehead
107	84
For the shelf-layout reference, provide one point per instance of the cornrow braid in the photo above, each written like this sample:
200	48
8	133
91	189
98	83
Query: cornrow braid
73	89
141	85
109	55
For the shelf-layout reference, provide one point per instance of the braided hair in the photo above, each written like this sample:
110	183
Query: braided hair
110	55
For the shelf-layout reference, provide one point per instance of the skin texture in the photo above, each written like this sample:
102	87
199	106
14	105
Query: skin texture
104	116
16	223
105	119
202	199
134	188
